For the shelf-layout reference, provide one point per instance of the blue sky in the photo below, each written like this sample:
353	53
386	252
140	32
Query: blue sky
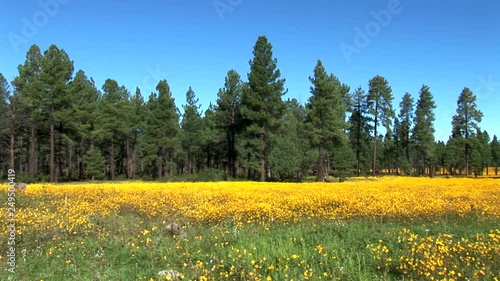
447	45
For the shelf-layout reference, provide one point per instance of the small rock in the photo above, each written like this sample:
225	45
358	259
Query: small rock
20	186
175	229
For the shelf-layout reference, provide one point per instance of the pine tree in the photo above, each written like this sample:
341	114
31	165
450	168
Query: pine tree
495	153
56	102
405	118
465	122
25	105
379	100
85	109
228	115
112	124
191	126
326	111
160	142
94	163
262	106
423	132
359	131
4	126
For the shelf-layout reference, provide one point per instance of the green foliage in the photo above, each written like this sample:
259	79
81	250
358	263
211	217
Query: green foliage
379	102
466	122
228	116
359	132
423	130
326	115
262	106
95	163
160	142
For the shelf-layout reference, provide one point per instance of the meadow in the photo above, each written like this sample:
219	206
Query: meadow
390	228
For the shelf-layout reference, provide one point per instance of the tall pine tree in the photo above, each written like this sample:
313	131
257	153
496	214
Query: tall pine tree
379	100
466	122
423	132
262	105
326	111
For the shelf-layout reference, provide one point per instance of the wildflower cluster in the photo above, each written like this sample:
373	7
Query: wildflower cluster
441	257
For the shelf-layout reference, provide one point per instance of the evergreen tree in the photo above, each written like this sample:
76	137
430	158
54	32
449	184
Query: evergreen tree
137	126
379	100
262	106
228	115
191	126
112	124
56	102
405	118
495	153
326	111
26	105
359	131
423	132
4	126
94	163
289	151
465	122
160	142
86	98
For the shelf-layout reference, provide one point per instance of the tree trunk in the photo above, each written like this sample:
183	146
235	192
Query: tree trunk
52	152
321	170
262	169
32	158
374	166
12	148
112	160
70	165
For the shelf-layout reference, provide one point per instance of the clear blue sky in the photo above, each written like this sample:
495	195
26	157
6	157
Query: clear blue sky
447	45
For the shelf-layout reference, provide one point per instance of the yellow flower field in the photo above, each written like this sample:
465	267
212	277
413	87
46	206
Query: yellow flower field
71	206
59	213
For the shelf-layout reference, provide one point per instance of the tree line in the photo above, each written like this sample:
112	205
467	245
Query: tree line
58	125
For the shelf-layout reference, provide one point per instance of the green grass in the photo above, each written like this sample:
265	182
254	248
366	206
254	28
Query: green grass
119	249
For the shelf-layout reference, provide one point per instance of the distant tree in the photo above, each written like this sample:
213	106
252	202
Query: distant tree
137	124
56	102
211	138
228	115
405	118
95	163
440	156
26	105
466	121
483	149
86	99
423	132
325	116
5	115
495	153
359	131
112	121
379	101
262	106
191	126
289	150
343	161
160	142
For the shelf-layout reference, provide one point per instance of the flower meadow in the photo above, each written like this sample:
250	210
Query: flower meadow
390	228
